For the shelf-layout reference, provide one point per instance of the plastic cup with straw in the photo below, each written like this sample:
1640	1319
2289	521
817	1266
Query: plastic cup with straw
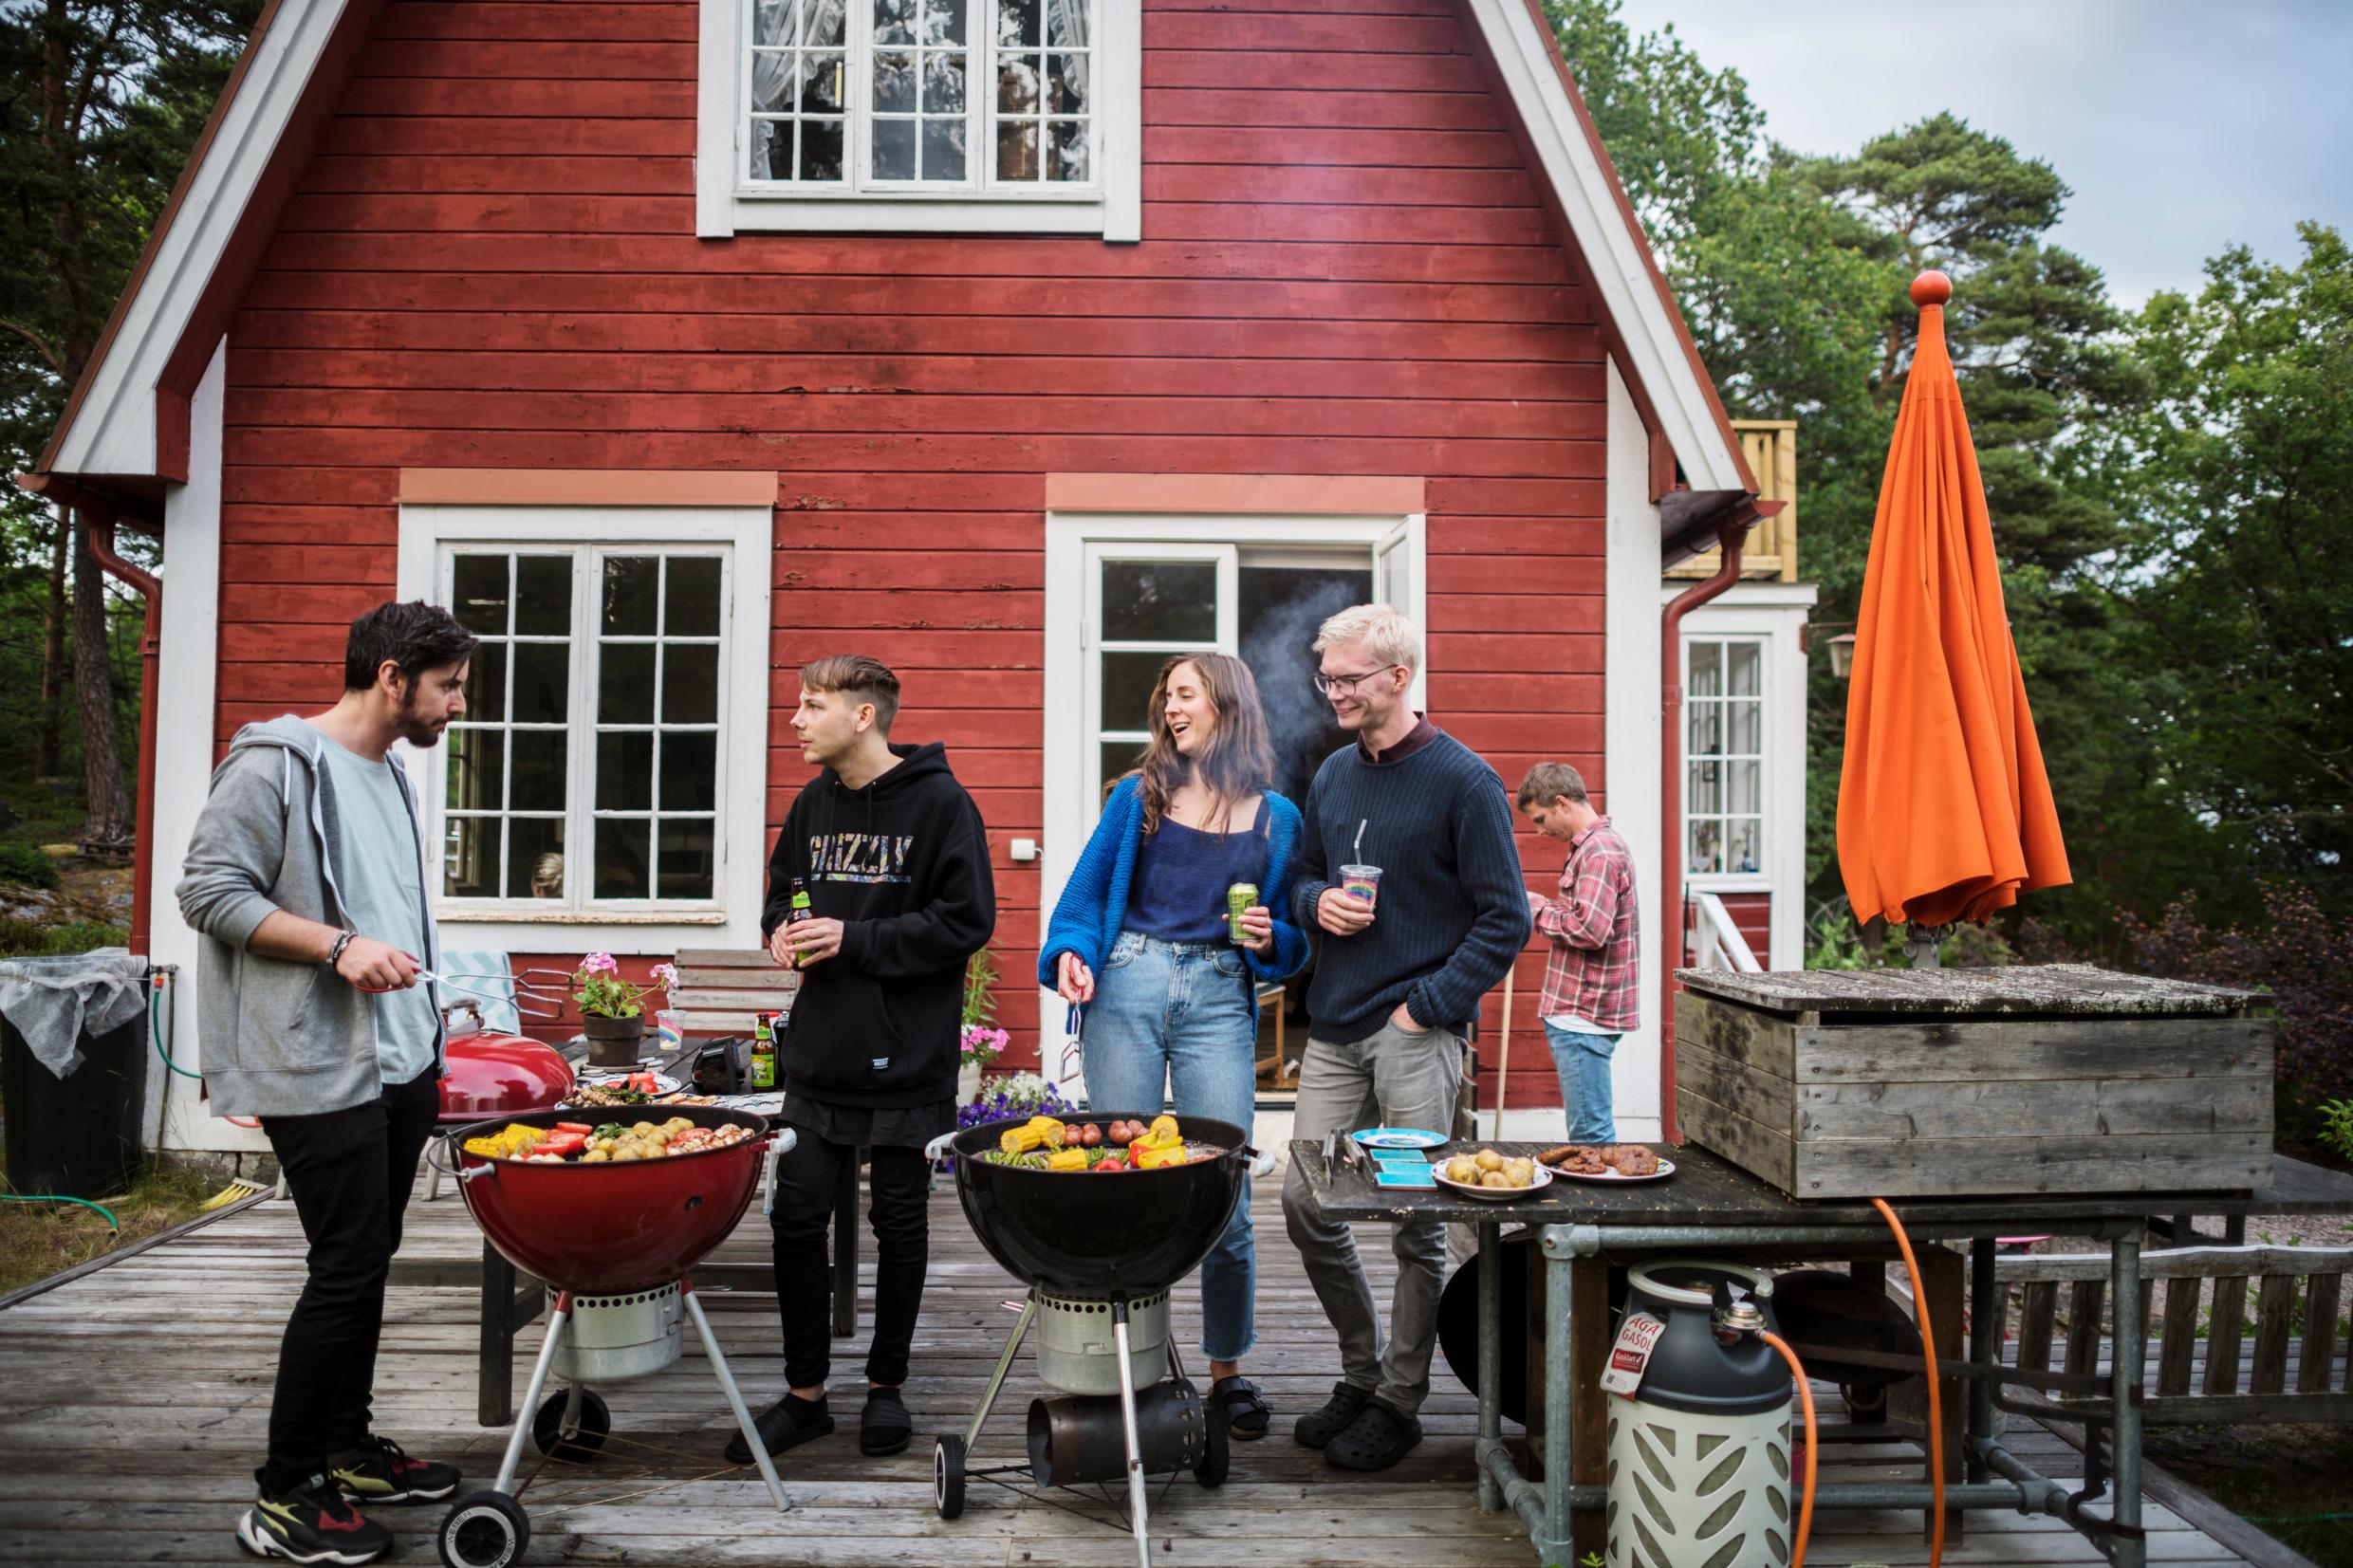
1359	881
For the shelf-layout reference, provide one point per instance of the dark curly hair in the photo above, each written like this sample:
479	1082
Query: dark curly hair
415	635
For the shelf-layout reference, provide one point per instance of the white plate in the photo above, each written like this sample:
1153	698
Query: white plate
663	1082
1667	1167
1490	1195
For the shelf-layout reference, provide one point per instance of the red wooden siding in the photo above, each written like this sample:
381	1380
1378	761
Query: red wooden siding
491	263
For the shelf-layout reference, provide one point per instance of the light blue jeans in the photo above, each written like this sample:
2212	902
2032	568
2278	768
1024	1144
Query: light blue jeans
1180	1020
1583	1061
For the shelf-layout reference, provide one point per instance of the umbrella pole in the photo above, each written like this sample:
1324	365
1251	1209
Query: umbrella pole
1923	944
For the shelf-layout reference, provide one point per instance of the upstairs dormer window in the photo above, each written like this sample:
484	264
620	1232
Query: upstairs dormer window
1002	116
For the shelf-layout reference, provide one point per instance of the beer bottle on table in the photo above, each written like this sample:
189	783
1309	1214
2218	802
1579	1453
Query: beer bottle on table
762	1053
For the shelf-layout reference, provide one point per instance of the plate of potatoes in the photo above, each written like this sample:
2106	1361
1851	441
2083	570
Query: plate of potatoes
1490	1174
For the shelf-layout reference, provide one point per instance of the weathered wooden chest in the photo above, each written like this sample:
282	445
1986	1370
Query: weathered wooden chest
1856	1083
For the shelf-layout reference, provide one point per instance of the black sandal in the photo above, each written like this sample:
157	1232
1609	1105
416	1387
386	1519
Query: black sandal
885	1428
1375	1440
1245	1410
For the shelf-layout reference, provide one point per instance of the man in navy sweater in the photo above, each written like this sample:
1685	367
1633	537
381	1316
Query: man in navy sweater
1398	981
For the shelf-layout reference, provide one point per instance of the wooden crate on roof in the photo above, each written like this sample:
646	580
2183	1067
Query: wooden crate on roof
1770	447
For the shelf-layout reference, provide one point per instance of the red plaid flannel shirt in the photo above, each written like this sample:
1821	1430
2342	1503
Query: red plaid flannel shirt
1594	971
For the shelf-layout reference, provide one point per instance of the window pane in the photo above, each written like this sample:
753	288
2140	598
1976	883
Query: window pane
894	21
621	845
1707	729
894	149
689	684
943	84
1118	757
689	771
625	771
625	683
1017	84
821	149
544	596
1747	661
469	857
478	592
1741	853
477	769
632	583
1707	790
1707	669
822	21
486	684
538	758
824	77
1128	689
543	672
1707	847
1747	782
1066	84
690	598
943	22
943	149
1159	600
687	859
770	150
1747	727
1066	23
1017	22
535	858
772	22
894	83
1017	150
1066	151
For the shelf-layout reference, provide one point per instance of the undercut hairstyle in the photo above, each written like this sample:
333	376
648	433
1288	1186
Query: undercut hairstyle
1549	782
1388	634
859	678
415	635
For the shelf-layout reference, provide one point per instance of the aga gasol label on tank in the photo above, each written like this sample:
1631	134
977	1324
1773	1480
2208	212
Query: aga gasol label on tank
1631	1354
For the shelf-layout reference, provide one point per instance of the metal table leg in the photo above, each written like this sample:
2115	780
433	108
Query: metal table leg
1985	1349
2127	1548
1559	1472
1491	1361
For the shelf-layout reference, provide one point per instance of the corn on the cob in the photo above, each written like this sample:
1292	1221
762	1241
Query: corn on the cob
1067	1160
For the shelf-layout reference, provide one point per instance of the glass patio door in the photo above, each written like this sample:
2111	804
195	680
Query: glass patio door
1145	602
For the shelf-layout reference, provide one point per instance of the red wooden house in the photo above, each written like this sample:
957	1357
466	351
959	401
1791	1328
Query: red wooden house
676	342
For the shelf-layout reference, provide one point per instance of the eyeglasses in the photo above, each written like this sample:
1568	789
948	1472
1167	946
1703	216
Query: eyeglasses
1344	684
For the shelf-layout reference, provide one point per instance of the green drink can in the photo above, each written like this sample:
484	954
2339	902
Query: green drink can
1239	897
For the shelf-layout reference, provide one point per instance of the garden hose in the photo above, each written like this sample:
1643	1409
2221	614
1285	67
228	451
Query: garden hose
155	1032
1813	1449
112	1223
1928	1365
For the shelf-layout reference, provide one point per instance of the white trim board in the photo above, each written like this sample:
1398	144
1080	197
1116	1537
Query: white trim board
1630	726
744	725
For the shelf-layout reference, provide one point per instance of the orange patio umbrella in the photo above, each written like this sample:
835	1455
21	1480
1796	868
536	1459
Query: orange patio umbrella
1944	810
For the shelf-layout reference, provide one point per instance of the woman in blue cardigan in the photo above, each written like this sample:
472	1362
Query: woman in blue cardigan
1141	938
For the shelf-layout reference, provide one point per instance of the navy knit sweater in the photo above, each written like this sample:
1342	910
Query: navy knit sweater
1452	911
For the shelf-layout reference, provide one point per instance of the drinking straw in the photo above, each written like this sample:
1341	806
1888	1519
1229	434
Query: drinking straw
1357	850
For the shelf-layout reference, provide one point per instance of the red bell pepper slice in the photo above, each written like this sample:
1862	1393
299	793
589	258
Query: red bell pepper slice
579	1127
561	1144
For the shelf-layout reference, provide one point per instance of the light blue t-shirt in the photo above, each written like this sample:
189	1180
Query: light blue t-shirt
383	883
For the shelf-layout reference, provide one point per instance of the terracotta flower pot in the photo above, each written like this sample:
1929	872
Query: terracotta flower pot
613	1041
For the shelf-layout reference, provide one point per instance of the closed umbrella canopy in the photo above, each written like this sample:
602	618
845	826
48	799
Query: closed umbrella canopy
1944	810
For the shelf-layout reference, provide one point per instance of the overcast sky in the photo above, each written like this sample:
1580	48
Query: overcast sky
2182	127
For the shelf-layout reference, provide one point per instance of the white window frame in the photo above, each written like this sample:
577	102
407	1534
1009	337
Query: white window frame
1760	880
743	536
727	202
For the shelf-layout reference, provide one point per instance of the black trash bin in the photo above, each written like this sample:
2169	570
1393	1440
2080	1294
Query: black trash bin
77	1136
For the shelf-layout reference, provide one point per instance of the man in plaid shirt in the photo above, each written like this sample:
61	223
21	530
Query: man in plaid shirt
1593	974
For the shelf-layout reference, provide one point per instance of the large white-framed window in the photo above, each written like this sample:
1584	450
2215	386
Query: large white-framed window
609	774
1724	757
993	116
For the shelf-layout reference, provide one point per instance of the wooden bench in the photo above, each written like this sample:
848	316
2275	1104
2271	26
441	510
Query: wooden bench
2282	1277
722	991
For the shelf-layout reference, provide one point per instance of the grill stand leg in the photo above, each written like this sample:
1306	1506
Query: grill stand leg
996	1378
513	1459
734	1398
1134	1450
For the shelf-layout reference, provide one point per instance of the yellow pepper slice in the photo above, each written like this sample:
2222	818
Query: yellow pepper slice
1150	1156
1163	1130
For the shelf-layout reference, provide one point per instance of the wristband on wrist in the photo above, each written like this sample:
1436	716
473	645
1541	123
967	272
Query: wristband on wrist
334	954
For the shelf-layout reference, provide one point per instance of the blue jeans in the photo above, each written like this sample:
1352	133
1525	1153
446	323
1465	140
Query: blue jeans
1183	1017
1583	1061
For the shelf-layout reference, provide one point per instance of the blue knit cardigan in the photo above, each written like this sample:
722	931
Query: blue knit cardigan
1093	907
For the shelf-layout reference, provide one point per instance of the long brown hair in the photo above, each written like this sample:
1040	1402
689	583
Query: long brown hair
1239	758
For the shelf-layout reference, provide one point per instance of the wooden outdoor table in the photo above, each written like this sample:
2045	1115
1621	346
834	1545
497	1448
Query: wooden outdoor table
1711	1206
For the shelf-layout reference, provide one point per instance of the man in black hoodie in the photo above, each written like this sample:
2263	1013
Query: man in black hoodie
895	864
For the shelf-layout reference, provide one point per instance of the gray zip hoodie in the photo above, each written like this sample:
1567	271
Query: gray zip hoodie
279	1038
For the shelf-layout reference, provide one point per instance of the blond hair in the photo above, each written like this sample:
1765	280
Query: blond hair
1388	634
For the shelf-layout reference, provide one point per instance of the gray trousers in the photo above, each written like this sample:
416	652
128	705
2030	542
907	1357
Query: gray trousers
1389	1078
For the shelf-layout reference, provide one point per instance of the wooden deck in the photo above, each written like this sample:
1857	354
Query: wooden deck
136	1399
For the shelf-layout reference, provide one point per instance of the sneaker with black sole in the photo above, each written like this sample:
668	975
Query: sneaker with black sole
1319	1427
788	1423
311	1524
380	1471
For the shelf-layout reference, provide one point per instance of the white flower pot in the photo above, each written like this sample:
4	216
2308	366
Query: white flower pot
968	1083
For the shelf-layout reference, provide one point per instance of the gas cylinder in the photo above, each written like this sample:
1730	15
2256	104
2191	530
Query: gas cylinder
1698	1422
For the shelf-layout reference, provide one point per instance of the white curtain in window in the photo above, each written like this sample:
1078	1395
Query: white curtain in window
1067	27
772	74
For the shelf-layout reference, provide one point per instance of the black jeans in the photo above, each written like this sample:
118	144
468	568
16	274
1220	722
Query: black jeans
804	1186
349	1173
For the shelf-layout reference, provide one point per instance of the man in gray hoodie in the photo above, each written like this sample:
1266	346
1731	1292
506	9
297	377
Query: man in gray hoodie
306	878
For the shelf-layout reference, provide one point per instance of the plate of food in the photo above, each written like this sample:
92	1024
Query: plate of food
1606	1162
1398	1138
1490	1174
602	1090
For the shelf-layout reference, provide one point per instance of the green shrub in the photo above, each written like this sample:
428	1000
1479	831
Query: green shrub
21	938
28	864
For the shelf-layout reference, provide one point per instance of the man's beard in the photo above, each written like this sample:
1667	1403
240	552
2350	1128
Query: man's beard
417	729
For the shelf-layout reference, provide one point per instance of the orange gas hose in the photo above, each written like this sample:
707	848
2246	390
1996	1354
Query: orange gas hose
1927	1355
1805	1400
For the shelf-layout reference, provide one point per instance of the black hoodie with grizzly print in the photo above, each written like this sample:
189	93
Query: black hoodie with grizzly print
903	864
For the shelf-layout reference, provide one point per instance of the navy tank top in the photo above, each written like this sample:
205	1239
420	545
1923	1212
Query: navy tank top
1177	892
